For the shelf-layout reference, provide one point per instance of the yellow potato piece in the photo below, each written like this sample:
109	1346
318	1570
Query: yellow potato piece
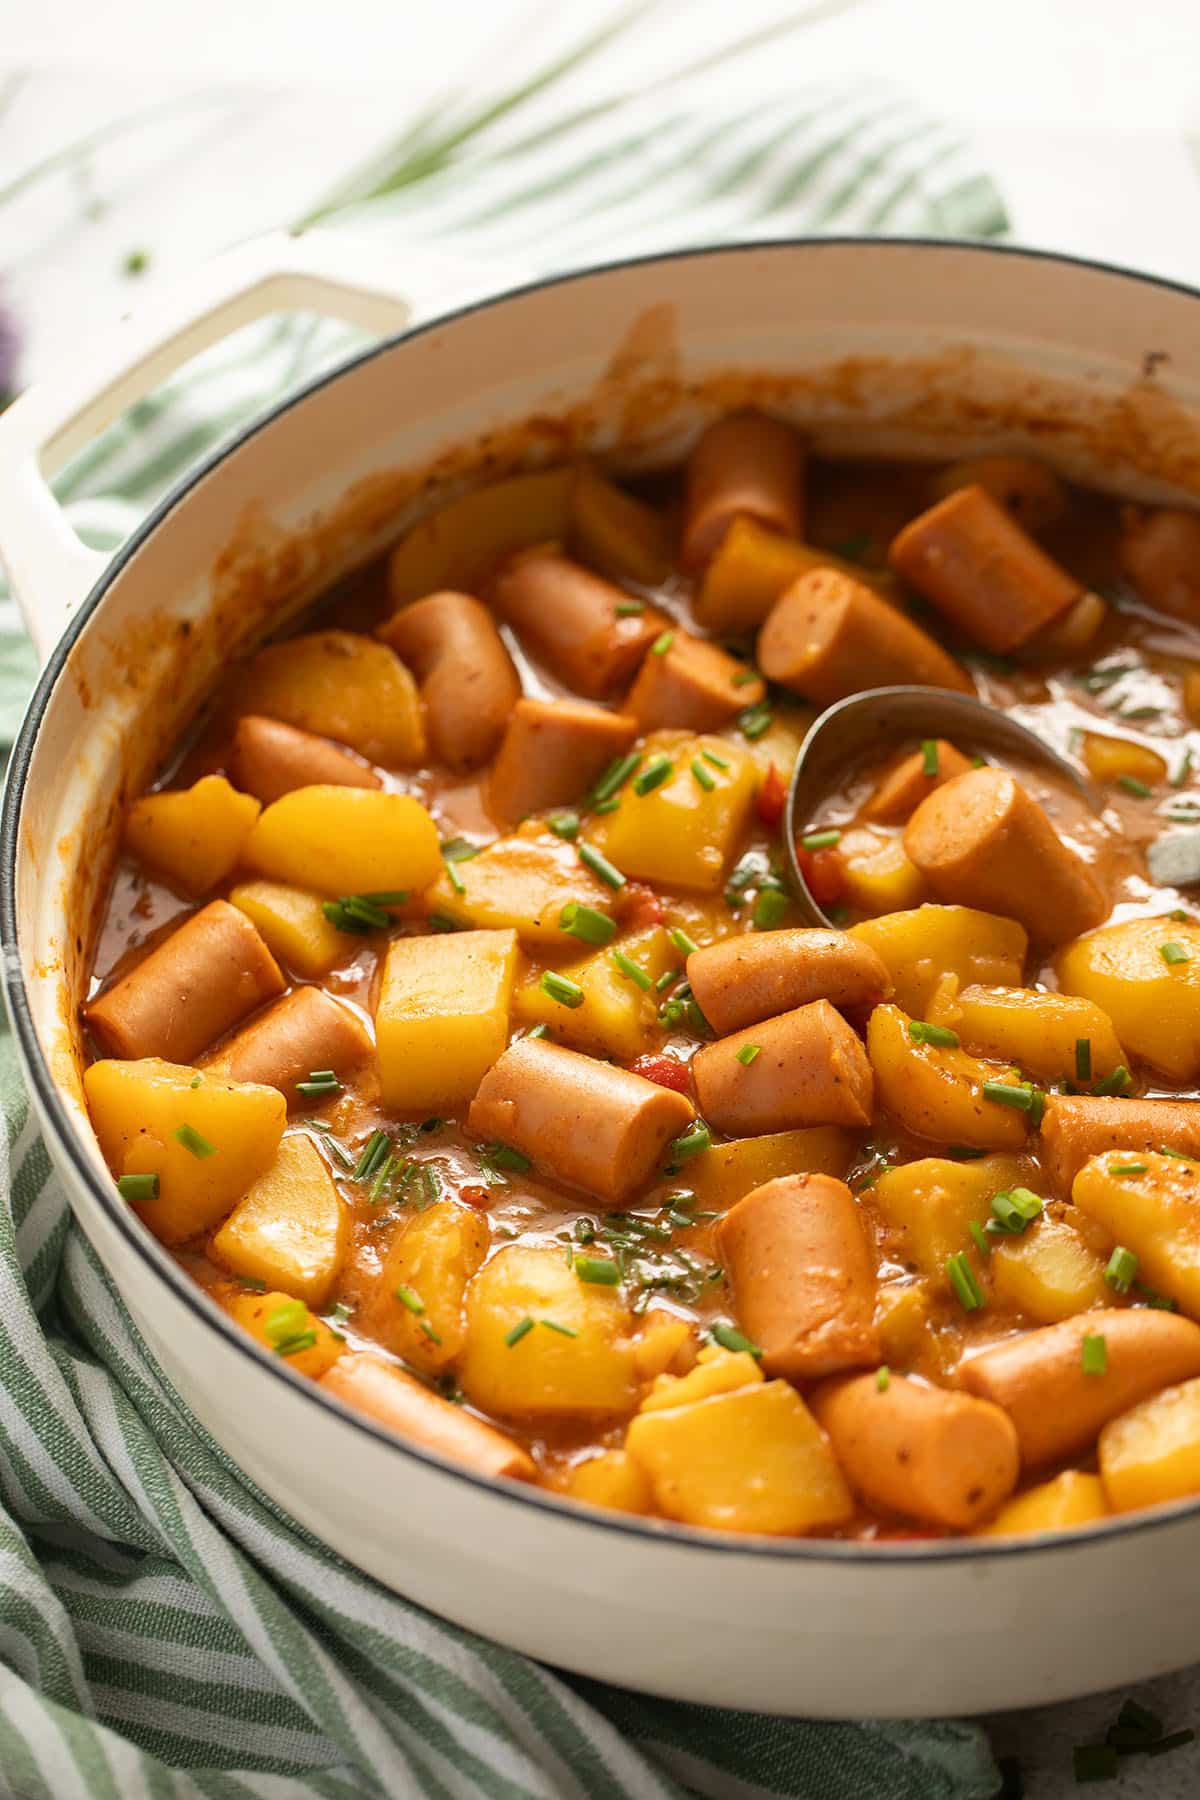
283	1325
341	840
521	884
1152	1453
727	1172
1071	1499
754	1460
611	1479
459	542
682	834
1108	759
193	837
717	1371
751	569
544	1373
879	876
339	685
293	926
1036	1031
921	948
932	1202
662	1342
616	533
1154	1006
442	1017
292	1229
1048	1273
1155	1213
902	1313
938	1093
416	1307
138	1108
616	1017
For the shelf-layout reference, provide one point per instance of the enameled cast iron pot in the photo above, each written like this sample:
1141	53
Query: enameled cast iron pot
909	348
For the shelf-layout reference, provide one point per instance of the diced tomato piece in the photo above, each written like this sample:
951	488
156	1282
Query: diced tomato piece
822	870
639	906
667	1071
772	796
477	1196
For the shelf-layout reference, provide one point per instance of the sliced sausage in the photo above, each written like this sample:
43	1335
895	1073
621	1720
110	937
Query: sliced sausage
803	1279
1039	1379
306	1030
902	790
578	622
1159	551
469	683
551	753
191	989
981	840
919	1450
760	974
829	635
269	759
385	1393
1031	492
811	1069
590	1123
1076	1127
973	561
747	465
692	685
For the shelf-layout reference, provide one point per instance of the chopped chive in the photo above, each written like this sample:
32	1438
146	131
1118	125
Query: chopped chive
747	1054
457	849
1117	1083
1180	917
1095	1762
685	945
1083	1059
820	840
357	913
965	1152
1006	1094
386	1170
963	1280
695	1139
409	1297
1120	1270
730	1338
565	825
616	775
194	1082
505	1157
587	924
656	771
979	762
538	1031
718	762
1132	785
456	880
607	806
979	1237
662	643
705	777
430	1333
1016	1209
1182	770
561	988
562	1330
883	1378
665	980
629	609
321	1083
629	968
1093	1355
440	921
601	868
191	1139
1134	1168
756	721
939	1036
770	909
598	1271
1160	1302
1037	1108
374	1151
744	677
1173	954
288	1328
1179	1155
671	1013
929	756
697	1023
520	1330
138	1187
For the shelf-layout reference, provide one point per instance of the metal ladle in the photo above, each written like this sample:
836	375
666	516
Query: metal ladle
869	724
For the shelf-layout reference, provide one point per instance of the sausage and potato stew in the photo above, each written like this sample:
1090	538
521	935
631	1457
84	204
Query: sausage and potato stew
454	1026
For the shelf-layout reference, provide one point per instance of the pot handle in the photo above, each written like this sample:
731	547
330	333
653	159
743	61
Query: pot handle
49	570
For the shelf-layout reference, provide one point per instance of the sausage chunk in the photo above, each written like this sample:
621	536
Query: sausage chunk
1030	491
591	1124
551	753
811	1069
406	1406
1057	1408
744	466
469	683
802	1274
760	974
575	620
269	759
691	685
973	561
1076	1127
1160	554
191	989
904	787
919	1450
306	1030
983	841
829	635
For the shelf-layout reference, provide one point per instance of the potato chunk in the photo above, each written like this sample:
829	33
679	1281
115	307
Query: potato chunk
337	685
442	1018
292	1229
1069	1500
543	1372
340	840
206	1139
716	1371
616	1017
293	926
727	1172
683	833
522	884
879	875
752	1460
416	1309
921	948
1154	1004
1151	1454
938	1093
931	1204
289	1329
466	536
1039	1032
1151	1204
1049	1272
611	1479
193	837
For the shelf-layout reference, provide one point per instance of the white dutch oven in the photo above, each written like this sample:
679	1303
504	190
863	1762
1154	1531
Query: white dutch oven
908	347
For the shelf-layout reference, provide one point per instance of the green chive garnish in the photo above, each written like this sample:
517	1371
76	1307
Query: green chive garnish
820	840
656	771
565	825
322	1084
883	1377
1116	1083
665	980
586	924
718	762
616	775
929	756
730	1338
1014	1210
1179	1155
440	921
705	777
770	909
190	1138
685	945
694	1140
538	1031
561	988
288	1329
520	1330
1180	773
1172	954
629	609
962	1279
1094	1354
562	1330
979	1237
630	969
375	1151
747	1054
756	721
1005	1094
1083	1059
1121	1269
662	643
138	1187
1134	1168
598	1271
360	912
939	1036
744	677
195	1081
1133	786
409	1297
601	868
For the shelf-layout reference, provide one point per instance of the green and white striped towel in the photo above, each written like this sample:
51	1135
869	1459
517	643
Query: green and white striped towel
165	1629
